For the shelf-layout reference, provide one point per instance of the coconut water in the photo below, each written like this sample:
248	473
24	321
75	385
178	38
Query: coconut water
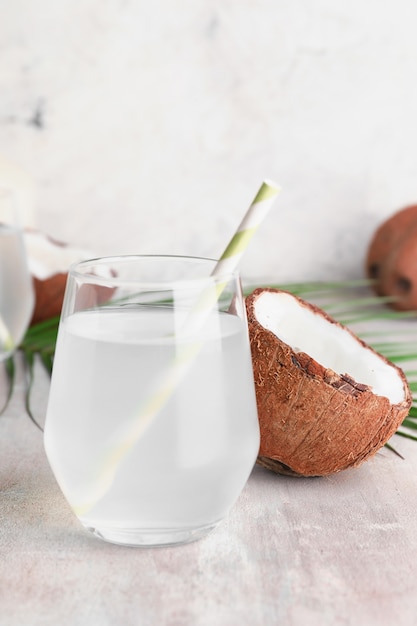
193	456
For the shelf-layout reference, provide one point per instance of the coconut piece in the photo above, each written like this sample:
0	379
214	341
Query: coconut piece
326	400
49	261
391	260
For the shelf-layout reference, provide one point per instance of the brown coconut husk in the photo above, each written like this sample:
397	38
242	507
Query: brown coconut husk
314	421
391	260
49	295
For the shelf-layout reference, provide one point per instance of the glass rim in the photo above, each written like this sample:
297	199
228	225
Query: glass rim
75	267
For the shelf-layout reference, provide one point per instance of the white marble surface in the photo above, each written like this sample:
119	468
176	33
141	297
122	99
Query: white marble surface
148	126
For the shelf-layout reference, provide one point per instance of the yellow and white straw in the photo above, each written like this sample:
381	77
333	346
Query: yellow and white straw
127	438
250	223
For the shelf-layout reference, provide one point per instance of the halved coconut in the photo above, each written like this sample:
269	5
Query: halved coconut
49	261
326	400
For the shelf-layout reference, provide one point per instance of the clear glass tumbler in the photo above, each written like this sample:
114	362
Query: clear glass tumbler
16	286
151	428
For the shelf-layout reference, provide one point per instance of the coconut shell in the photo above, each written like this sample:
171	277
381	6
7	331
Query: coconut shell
49	261
313	421
49	295
392	259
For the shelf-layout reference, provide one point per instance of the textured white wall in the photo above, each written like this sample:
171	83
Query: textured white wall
148	126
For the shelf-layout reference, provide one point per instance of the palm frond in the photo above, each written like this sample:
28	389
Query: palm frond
38	344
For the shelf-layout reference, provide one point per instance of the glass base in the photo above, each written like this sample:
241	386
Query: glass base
150	537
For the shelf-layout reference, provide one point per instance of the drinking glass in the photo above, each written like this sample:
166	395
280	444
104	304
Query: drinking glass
151	427
16	287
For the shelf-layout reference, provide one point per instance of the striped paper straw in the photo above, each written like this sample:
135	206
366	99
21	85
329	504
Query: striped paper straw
227	263
253	218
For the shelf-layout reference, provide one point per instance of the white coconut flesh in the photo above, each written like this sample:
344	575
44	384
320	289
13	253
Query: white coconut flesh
47	256
49	261
330	344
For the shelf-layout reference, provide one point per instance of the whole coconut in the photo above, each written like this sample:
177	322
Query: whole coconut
392	259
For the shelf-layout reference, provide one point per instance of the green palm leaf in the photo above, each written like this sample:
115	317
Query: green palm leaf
38	345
